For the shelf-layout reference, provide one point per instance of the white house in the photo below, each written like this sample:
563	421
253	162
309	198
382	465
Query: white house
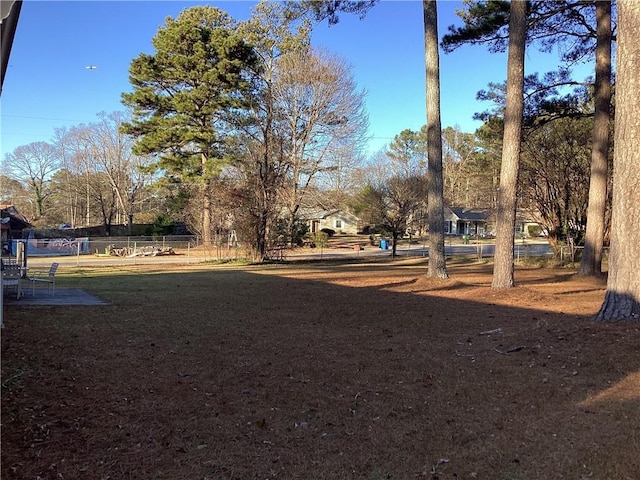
466	221
337	220
481	222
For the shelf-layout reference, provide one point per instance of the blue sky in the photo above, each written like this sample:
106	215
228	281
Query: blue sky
47	85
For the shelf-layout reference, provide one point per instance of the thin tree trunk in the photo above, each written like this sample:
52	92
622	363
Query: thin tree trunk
622	298
591	264
435	202
506	214
206	204
261	235
265	186
87	219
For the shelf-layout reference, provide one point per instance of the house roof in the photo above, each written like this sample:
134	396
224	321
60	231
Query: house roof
16	219
321	214
314	213
527	216
471	214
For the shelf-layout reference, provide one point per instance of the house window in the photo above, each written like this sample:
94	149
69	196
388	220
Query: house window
338	223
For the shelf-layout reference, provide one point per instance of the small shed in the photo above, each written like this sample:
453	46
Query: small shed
12	224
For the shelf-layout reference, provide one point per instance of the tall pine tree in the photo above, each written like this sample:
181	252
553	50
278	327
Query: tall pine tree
622	299
184	97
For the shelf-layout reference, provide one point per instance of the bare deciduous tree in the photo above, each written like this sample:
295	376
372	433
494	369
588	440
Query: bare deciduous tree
321	116
33	165
112	153
13	192
262	163
100	174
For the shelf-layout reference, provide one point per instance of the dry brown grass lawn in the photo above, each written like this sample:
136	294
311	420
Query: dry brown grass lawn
324	371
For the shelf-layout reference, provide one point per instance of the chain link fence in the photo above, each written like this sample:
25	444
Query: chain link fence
193	247
138	249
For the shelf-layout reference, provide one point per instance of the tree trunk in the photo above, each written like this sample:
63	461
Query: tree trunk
435	189
38	204
622	299
591	264
291	227
264	192
87	218
506	214
261	236
206	204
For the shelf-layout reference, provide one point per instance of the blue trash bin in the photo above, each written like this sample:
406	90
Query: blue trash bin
384	245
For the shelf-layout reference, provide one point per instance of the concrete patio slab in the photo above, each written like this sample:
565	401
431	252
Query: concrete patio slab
62	296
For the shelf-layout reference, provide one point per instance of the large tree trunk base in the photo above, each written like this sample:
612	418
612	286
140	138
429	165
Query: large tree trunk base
438	263
439	273
590	272
619	307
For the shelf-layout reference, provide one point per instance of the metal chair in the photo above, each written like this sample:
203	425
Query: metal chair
12	277
48	277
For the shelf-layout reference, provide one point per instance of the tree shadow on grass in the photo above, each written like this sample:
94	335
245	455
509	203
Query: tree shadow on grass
284	373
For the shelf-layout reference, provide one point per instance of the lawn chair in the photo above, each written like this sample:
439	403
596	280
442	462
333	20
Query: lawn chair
12	277
48	277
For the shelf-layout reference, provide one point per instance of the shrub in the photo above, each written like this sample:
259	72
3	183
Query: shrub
281	235
534	230
371	230
321	239
163	225
330	233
